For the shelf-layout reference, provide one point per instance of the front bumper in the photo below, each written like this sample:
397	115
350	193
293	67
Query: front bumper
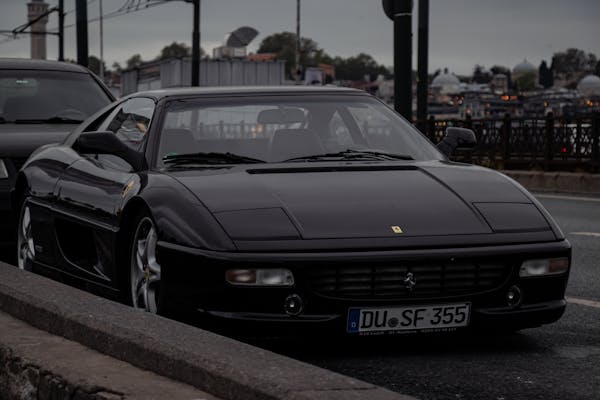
194	283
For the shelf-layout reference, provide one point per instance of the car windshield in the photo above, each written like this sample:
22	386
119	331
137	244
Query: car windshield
300	128
36	96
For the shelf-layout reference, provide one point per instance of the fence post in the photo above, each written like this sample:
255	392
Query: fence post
596	141
548	150
431	129
506	131
468	122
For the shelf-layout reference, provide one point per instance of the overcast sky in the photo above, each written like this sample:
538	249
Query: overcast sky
462	33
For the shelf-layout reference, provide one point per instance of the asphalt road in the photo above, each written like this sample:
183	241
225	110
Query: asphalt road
558	361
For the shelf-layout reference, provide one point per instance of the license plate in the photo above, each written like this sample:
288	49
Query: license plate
411	318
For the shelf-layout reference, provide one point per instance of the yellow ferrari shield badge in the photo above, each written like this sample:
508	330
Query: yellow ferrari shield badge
396	229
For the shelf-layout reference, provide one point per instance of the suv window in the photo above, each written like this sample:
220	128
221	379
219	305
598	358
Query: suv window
36	95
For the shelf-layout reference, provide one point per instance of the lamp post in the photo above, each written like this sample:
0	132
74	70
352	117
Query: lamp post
422	59
400	11
196	45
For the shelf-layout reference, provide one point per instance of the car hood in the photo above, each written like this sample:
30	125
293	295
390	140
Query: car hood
20	141
363	201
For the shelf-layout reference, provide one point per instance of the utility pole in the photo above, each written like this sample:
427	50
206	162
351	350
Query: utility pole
298	42
82	32
101	43
400	11
196	45
422	56
61	30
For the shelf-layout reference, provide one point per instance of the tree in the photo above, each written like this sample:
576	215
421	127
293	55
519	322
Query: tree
117	67
176	50
546	78
357	67
283	44
571	65
134	61
481	75
94	64
526	82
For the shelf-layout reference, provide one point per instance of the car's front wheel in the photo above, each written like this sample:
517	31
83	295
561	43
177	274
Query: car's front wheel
25	242
145	272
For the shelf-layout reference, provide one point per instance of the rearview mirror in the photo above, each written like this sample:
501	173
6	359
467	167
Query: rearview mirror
457	138
108	143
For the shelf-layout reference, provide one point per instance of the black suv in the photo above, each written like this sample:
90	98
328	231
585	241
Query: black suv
40	103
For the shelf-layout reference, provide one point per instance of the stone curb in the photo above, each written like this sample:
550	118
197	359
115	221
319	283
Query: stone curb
35	364
218	365
568	182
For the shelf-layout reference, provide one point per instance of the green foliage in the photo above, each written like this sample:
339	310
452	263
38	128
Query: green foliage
546	75
355	68
283	44
480	75
572	64
526	82
94	65
134	61
176	50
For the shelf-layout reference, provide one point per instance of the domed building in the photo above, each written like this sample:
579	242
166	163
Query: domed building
525	76
589	86
524	68
446	83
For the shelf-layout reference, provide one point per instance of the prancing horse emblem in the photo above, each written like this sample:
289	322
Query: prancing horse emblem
410	282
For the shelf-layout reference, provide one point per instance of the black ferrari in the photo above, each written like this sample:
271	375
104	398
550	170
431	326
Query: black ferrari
280	207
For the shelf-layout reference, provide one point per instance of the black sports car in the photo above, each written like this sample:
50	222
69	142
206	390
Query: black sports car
40	103
288	207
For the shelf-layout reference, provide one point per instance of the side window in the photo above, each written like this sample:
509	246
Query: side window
130	123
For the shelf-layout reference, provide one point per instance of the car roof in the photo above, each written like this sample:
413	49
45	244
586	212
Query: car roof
44	65
245	90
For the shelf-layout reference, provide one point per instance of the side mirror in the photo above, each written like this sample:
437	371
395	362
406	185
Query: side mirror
108	143
457	138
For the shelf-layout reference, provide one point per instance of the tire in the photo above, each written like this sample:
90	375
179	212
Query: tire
25	241
143	272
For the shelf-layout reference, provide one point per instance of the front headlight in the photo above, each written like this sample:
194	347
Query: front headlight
260	277
3	171
542	267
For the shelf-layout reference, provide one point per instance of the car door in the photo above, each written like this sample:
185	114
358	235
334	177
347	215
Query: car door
90	195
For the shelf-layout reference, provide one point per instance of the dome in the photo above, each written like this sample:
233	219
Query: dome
524	68
444	80
589	85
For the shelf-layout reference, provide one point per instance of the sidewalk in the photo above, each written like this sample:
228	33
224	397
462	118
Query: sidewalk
568	182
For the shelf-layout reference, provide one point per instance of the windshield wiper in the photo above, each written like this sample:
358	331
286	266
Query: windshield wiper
51	120
209	158
350	154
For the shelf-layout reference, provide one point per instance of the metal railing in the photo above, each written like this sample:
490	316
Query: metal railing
549	144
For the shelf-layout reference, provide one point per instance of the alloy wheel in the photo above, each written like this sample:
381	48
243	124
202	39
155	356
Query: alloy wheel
25	243
145	270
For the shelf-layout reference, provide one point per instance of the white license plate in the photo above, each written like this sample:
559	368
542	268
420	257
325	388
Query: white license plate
411	318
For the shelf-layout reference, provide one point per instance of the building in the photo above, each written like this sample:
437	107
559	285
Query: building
38	29
525	76
589	86
177	72
443	86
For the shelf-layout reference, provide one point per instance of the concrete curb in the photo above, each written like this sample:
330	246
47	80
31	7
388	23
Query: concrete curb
218	365
568	182
35	364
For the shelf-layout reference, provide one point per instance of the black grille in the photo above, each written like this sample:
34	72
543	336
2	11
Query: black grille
388	281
